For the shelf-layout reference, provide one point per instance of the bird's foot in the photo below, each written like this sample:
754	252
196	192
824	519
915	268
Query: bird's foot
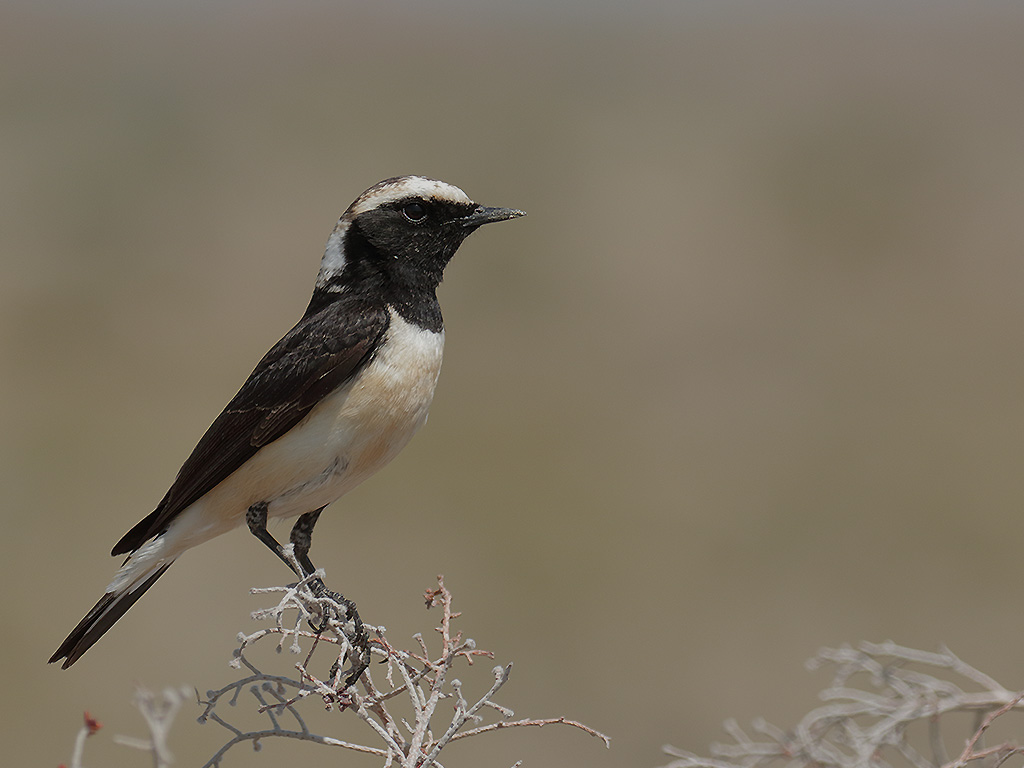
339	613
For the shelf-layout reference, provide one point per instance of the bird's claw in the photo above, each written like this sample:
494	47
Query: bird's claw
359	641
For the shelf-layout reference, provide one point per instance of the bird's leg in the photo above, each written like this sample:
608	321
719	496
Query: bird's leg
301	538
256	519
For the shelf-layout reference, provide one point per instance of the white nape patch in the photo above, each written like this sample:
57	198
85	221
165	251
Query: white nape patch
405	186
333	262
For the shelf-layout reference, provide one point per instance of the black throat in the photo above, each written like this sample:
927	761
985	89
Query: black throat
410	288
420	309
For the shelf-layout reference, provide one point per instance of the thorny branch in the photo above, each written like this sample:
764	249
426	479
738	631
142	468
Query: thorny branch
887	706
419	678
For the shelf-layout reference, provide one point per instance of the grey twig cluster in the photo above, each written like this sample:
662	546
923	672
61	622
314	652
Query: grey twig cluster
400	708
159	713
887	706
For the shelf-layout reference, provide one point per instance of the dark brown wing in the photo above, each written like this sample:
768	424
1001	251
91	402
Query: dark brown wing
322	352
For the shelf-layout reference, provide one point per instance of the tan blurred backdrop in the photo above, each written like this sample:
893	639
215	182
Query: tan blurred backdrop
747	381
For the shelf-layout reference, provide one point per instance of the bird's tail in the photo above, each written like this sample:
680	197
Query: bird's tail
120	596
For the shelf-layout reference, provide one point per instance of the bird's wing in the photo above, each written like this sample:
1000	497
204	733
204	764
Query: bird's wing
322	352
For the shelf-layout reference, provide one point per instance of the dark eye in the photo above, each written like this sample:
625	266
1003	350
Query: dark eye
414	212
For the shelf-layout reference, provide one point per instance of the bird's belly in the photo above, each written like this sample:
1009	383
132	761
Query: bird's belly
344	439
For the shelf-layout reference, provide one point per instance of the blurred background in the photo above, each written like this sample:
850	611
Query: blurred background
746	381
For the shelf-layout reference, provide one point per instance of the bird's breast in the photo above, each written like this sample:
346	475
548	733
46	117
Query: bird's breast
380	410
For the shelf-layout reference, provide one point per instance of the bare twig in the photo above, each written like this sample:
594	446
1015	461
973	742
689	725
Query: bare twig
401	712
879	693
159	716
417	677
89	727
971	751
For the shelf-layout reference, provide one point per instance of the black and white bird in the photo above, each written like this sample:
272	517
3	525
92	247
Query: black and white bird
330	404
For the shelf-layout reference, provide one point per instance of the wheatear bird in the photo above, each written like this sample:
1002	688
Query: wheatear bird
331	403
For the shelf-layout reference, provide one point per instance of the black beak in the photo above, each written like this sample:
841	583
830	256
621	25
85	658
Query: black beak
483	215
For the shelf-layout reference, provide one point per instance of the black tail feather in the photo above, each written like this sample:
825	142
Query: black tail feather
109	609
140	533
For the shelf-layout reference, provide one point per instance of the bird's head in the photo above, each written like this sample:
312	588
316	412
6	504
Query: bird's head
402	231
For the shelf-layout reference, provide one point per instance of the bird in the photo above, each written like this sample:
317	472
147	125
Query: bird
329	405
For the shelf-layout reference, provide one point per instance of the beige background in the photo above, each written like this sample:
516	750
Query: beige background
747	381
